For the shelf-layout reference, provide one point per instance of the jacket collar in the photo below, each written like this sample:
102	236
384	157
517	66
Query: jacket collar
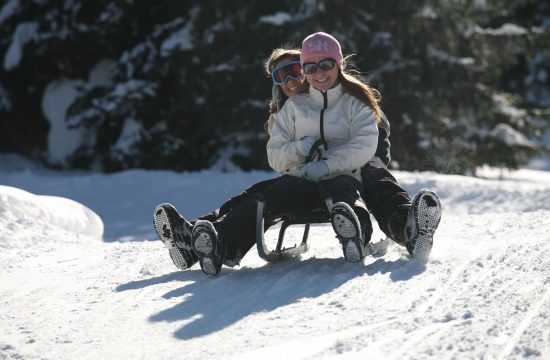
333	94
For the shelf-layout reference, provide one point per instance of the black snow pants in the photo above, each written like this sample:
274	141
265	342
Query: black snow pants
237	227
388	202
249	194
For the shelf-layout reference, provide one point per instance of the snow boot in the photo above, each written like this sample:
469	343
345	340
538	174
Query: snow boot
347	227
175	233
208	247
422	221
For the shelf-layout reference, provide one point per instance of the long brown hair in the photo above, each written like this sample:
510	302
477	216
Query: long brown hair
276	56
351	81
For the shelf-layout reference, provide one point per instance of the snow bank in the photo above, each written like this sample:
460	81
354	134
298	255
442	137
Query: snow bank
27	219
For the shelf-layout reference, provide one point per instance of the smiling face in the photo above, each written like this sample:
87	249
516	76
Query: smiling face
322	80
291	87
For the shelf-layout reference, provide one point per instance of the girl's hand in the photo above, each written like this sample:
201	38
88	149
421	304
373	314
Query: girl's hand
304	145
314	171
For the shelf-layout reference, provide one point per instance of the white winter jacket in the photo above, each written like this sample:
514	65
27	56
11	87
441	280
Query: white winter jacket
347	124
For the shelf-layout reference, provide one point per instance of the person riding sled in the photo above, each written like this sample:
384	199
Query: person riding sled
403	220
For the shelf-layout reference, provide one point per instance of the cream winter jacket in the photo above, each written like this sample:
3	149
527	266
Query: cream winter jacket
347	124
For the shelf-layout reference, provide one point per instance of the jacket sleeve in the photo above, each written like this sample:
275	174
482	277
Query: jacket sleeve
361	146
382	157
282	146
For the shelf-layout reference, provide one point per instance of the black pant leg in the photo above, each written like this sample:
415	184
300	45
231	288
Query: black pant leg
291	194
237	228
384	196
249	193
348	189
211	216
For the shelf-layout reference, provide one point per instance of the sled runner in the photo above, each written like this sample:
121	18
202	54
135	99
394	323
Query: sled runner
319	216
315	217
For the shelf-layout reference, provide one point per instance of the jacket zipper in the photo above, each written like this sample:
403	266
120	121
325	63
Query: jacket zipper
322	120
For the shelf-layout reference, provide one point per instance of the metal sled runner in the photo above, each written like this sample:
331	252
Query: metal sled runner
318	216
315	217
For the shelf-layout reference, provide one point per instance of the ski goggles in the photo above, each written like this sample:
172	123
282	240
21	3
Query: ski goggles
282	73
325	65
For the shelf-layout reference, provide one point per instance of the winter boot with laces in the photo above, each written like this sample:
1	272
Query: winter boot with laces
175	233
347	227
208	247
422	221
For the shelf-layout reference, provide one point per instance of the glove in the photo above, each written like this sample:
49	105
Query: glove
314	171
304	145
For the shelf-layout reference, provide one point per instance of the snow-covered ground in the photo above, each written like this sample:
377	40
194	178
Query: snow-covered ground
81	280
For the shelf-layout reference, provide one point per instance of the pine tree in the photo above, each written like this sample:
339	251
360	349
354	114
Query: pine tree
464	82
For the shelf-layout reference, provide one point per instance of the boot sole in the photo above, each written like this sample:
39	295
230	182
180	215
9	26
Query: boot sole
204	240
166	233
163	226
427	214
343	222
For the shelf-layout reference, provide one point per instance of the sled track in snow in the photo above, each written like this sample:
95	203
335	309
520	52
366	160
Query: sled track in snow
480	294
464	269
522	327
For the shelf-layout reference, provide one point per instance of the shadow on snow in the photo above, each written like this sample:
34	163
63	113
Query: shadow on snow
212	304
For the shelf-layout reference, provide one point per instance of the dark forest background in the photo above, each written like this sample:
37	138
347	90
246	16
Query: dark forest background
464	82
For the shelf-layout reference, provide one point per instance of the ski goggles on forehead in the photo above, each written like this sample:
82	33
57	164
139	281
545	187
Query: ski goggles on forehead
325	65
292	70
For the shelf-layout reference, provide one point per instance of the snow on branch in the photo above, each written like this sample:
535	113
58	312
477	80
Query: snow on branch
24	33
8	10
506	109
181	39
132	133
277	19
449	58
132	89
505	30
114	101
510	136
